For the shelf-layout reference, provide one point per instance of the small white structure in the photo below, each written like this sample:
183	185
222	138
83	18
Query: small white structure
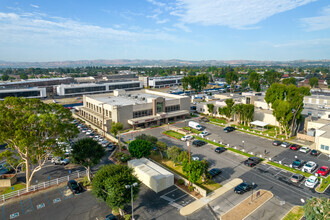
151	174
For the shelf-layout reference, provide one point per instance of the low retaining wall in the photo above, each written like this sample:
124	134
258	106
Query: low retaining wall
179	130
198	189
305	137
7	180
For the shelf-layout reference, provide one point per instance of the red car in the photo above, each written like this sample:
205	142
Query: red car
323	171
295	147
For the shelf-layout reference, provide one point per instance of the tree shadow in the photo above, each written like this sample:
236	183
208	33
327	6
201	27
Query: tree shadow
226	174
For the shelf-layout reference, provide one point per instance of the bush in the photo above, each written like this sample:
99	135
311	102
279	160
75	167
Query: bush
180	181
127	217
85	182
191	188
139	148
122	157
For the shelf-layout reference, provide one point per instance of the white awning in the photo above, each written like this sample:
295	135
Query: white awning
259	123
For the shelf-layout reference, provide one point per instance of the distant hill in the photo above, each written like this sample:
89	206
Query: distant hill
165	63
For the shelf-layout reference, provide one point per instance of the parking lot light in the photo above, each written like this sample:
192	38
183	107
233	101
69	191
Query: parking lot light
131	187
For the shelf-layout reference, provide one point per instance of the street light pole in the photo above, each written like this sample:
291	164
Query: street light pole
252	192
131	186
243	144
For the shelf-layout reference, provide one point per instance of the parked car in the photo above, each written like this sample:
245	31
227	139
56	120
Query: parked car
204	133
84	130
111	146
252	161
304	150
228	129
204	119
323	171
285	144
297	164
311	182
75	187
110	217
4	168
277	143
315	152
243	187
89	132
295	147
309	167
60	161
198	143
187	138
220	149
296	178
214	172
195	158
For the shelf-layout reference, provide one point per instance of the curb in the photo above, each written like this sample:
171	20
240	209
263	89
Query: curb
289	212
259	206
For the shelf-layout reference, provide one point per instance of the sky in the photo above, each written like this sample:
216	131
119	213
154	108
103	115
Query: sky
279	30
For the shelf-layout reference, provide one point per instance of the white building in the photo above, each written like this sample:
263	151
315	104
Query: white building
159	82
78	89
32	92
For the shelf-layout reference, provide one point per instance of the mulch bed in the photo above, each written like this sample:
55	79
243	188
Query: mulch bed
185	188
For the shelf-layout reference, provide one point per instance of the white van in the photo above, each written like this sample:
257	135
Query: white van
195	125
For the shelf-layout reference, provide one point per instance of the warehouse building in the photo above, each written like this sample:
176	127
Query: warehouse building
151	174
142	108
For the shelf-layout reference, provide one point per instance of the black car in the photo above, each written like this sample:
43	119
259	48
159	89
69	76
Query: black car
277	143
220	149
198	143
111	146
110	217
243	187
228	129
214	172
315	152
74	187
297	164
252	161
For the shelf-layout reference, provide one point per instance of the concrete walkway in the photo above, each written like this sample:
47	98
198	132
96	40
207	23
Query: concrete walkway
198	204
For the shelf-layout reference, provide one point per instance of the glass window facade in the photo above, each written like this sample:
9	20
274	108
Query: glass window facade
172	108
84	89
139	114
160	106
20	94
124	86
165	82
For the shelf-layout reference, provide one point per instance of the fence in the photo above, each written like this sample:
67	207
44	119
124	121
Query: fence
43	185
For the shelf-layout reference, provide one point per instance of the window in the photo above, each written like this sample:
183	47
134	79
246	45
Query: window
143	113
324	147
164	82
328	116
160	107
173	108
84	89
310	100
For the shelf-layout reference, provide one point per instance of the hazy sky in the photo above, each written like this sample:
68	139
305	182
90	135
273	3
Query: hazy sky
57	30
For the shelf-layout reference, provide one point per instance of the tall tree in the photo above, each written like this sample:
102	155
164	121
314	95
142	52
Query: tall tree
173	153
254	81
271	77
152	139
87	153
231	79
4	77
115	129
161	147
317	208
139	148
289	81
210	108
194	170
33	129
109	185
314	82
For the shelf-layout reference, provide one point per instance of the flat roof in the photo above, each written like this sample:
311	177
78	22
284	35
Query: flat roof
150	168
96	84
325	128
33	80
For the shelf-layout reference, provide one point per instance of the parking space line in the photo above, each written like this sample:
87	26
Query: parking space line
170	192
278	173
47	198
31	204
319	155
180	197
22	207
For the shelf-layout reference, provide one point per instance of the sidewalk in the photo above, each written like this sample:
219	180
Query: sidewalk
198	204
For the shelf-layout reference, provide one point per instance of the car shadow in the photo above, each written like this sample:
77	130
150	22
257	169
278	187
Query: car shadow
226	174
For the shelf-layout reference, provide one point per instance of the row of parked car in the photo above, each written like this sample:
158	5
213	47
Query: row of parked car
297	147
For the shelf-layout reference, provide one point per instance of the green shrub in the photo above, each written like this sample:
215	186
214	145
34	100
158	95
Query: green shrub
191	188
122	157
127	217
85	182
180	181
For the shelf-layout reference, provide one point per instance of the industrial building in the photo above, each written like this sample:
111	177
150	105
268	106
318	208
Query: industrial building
151	174
88	88
159	82
33	92
142	108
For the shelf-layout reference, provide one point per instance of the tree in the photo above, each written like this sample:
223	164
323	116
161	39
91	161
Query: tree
254	81
314	82
23	76
317	208
153	140
289	81
12	159
115	129
87	153
173	153
109	185
33	129
210	108
139	148
4	77
193	170
271	77
238	109
162	147
198	83
231	79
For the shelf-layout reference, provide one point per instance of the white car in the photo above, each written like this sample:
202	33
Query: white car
89	132
309	167
285	144
204	133
312	181
195	158
304	150
187	138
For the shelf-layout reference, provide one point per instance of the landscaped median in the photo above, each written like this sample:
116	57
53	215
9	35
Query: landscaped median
173	134
296	213
292	170
324	185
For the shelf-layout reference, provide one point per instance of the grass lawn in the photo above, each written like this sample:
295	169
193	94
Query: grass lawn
174	134
324	185
295	214
17	186
209	186
191	130
289	169
217	120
